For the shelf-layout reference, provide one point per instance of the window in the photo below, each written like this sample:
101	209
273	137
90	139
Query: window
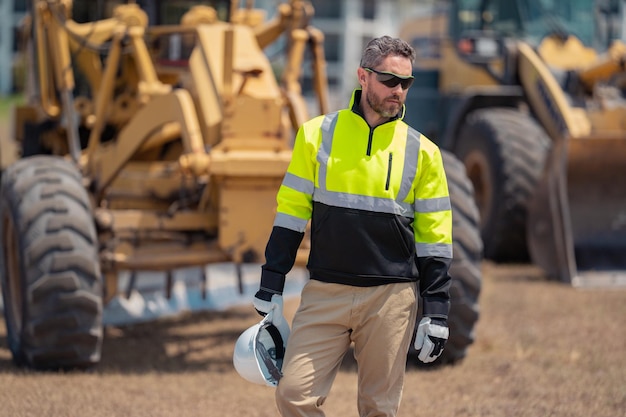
19	6
327	8
332	43
369	9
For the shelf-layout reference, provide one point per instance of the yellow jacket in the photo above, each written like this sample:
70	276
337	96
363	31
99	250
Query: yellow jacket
378	203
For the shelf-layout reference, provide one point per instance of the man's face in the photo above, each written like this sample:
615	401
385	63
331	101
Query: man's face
384	100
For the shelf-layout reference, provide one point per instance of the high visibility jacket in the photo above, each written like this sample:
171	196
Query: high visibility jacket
378	203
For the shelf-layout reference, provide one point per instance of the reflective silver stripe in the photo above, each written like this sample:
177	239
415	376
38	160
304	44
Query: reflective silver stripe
298	183
411	153
361	202
431	205
323	153
442	250
290	222
377	204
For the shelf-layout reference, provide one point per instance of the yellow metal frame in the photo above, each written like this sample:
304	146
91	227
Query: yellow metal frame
190	173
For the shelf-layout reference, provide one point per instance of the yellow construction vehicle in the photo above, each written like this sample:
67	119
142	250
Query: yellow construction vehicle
139	143
530	95
155	139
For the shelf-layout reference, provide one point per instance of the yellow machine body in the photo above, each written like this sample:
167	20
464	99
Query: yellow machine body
498	61
182	132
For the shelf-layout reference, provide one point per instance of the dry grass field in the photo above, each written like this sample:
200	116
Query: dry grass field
542	349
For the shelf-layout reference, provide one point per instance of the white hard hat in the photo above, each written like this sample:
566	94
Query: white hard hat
260	350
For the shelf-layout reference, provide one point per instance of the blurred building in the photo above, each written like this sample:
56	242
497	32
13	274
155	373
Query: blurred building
347	26
11	14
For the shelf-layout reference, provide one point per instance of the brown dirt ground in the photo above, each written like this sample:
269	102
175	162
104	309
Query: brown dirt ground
542	349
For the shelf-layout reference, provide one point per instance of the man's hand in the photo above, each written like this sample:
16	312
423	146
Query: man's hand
265	301
430	338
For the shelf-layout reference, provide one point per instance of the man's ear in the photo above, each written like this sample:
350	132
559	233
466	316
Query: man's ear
361	75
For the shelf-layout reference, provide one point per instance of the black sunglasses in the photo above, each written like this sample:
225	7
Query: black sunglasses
390	79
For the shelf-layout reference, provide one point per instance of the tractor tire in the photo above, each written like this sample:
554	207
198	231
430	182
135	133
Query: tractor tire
504	152
465	269
49	267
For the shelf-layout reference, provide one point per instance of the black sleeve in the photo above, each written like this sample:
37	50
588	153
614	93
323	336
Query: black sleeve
280	255
435	286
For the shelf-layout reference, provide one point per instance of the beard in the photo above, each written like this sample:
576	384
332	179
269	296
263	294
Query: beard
383	108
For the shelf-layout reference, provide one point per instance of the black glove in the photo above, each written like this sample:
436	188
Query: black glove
265	301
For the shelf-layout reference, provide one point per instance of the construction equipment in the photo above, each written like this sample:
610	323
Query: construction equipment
138	144
153	145
530	95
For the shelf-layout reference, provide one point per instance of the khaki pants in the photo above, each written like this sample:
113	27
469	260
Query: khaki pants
379	320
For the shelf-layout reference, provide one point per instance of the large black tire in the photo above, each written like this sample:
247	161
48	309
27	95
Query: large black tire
504	152
466	265
49	268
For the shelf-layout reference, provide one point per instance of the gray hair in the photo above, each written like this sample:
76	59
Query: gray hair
379	48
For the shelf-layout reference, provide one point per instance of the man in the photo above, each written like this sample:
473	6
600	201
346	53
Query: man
376	193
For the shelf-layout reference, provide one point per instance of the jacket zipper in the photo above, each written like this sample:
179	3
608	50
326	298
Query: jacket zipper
389	171
369	153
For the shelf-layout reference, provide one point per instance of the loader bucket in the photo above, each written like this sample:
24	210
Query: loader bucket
577	218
